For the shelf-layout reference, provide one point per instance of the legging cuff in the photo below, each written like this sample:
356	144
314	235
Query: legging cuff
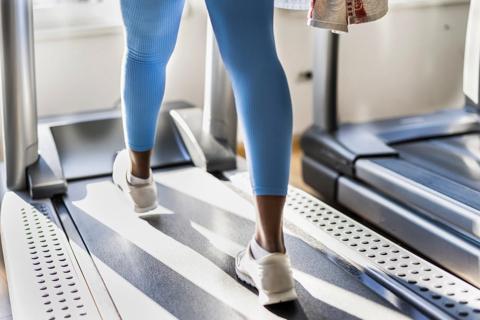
270	191
139	148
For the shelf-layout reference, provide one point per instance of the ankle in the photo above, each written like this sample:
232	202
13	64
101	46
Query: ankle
273	245
140	164
141	173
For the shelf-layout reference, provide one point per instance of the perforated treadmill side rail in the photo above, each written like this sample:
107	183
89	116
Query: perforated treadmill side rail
450	294
43	277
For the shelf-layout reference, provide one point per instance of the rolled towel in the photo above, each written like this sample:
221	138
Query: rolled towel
338	14
329	14
361	11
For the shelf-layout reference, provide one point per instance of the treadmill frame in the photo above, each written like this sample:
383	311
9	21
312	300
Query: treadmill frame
47	179
339	162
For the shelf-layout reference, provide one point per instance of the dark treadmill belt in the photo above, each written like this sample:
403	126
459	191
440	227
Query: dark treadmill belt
455	158
433	180
179	295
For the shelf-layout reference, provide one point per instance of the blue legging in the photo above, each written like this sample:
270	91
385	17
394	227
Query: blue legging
244	31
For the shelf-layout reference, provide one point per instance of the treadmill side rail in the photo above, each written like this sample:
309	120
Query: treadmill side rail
42	272
402	272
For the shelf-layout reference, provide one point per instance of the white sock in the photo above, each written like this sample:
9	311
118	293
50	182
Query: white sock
257	251
135	181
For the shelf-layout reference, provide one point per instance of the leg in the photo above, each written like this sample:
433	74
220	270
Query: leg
269	227
244	31
151	28
140	162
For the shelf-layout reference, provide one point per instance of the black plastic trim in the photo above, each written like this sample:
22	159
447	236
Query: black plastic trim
320	177
321	146
45	177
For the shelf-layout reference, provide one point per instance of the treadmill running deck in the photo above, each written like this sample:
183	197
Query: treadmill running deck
456	158
179	262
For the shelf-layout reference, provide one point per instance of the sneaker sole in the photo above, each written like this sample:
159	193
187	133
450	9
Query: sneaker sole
245	278
145	211
267	298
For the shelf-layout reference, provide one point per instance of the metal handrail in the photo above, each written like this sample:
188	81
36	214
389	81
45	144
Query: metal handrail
19	108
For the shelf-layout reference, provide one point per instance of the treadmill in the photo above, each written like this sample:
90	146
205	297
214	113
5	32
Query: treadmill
415	178
73	249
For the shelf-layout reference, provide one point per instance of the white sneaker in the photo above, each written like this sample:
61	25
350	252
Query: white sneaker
271	275
143	196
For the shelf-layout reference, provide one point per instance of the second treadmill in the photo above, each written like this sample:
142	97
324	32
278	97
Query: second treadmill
416	178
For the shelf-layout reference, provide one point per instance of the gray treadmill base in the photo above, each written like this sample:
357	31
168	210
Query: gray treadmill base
43	277
452	252
186	253
444	293
434	291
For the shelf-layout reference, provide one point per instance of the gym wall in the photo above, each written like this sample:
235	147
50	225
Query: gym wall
409	62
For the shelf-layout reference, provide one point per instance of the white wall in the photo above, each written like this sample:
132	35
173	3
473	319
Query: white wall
78	67
407	63
410	61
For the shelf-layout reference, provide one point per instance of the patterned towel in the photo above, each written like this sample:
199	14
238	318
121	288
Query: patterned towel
337	14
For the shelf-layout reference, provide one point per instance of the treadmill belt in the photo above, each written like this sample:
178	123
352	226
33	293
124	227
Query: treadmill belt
456	158
179	263
434	181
